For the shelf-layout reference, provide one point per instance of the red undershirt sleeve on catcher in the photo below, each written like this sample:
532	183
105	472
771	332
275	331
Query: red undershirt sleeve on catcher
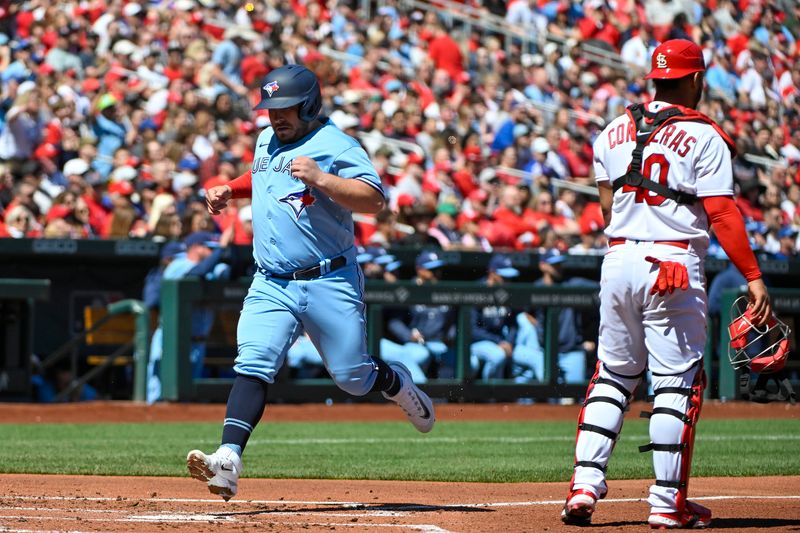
728	224
242	187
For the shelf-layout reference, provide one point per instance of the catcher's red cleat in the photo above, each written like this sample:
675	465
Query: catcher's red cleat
694	516
579	508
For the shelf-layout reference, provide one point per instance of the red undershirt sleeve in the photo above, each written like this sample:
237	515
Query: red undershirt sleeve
242	187
728	224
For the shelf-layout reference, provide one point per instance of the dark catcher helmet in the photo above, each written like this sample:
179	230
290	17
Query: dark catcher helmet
289	86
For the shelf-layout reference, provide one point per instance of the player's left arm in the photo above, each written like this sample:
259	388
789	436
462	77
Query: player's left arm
355	185
715	189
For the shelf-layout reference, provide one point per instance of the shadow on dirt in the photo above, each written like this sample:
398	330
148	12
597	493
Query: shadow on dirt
385	507
616	524
755	523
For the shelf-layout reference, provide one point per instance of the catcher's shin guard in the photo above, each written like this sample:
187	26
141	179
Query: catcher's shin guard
599	424
676	410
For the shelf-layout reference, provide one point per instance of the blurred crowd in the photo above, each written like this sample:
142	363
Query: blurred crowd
116	115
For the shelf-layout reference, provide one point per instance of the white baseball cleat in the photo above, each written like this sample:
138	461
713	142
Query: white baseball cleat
416	404
220	470
694	516
579	508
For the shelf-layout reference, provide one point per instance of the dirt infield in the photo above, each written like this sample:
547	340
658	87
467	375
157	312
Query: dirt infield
30	503
76	413
114	504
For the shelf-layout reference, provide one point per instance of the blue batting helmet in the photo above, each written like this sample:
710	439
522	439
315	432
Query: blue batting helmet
289	86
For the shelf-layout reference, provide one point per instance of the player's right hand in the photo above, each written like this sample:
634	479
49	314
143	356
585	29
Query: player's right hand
671	275
759	303
217	198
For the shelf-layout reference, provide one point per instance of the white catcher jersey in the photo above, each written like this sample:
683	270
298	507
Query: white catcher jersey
687	156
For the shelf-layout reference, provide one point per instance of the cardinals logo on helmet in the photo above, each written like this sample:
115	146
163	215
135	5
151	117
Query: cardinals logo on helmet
271	88
661	61
298	201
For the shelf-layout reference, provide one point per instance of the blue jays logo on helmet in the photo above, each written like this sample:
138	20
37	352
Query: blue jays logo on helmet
298	201
298	86
271	87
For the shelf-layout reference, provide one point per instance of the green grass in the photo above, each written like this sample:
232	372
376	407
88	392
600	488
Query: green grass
454	451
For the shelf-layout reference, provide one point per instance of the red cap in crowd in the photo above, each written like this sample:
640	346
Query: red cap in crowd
443	166
431	185
473	153
58	211
405	200
123	188
45	151
478	195
90	85
414	158
676	58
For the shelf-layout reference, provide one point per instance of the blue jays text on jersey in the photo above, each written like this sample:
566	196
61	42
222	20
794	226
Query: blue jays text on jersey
295	226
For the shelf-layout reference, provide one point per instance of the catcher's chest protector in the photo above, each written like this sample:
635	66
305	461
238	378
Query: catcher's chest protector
645	125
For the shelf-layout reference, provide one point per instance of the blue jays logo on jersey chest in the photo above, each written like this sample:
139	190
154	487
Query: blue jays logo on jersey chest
298	201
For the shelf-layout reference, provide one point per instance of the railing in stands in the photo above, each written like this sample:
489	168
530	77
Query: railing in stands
370	219
352	59
766	161
375	141
574	114
469	16
555	182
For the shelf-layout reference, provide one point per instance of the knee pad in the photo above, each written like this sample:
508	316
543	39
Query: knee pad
668	401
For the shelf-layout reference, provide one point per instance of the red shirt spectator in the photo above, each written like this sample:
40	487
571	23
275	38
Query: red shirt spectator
253	68
596	25
24	21
591	219
577	162
738	42
750	210
512	216
446	54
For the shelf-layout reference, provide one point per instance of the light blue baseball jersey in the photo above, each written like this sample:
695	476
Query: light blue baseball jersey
295	227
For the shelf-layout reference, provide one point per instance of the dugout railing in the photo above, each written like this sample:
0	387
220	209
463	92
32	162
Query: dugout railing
81	273
180	297
131	335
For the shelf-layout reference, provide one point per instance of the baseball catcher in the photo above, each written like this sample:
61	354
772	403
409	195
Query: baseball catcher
664	175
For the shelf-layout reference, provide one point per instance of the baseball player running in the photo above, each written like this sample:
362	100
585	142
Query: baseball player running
664	175
306	179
